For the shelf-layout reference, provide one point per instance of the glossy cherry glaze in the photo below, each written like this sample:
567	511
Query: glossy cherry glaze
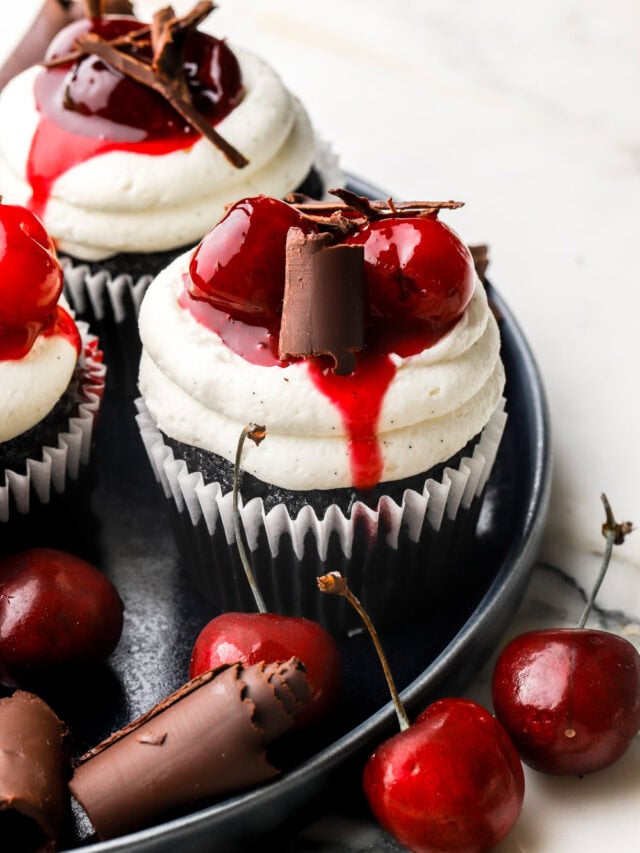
452	781
416	268
87	108
236	287
30	285
254	637
569	698
239	266
56	611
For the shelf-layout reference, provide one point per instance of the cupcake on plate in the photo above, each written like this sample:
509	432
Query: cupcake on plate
359	335
130	142
51	372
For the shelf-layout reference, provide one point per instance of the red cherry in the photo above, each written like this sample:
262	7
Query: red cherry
239	266
416	267
56	611
569	698
254	637
30	280
451	781
91	88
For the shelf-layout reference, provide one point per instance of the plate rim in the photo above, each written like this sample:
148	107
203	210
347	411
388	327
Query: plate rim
516	564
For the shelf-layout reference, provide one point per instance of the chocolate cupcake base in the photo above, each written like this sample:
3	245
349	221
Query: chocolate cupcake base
400	556
42	462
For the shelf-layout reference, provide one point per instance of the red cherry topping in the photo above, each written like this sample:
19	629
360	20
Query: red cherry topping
56	611
30	284
239	266
416	268
87	108
90	98
254	637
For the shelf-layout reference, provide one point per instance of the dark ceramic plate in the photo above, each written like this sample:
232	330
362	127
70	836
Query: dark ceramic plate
124	529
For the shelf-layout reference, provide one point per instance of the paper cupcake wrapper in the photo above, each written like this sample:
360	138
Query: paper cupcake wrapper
50	468
396	556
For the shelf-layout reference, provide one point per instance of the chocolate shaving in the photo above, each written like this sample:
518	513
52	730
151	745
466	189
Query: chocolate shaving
165	73
480	255
34	768
217	727
354	211
323	308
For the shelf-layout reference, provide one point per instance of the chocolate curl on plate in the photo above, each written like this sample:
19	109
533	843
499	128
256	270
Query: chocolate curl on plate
53	16
323	307
204	741
34	769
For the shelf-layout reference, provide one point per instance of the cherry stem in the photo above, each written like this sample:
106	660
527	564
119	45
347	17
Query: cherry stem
256	434
335	584
614	534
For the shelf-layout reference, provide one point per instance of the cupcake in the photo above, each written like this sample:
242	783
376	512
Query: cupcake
360	336
51	372
131	141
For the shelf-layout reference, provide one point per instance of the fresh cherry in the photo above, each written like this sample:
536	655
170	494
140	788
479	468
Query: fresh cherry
56	611
239	266
452	780
90	97
30	280
416	268
253	637
570	698
250	638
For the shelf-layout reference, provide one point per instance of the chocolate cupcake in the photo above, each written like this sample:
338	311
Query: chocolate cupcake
51	371
130	142
360	336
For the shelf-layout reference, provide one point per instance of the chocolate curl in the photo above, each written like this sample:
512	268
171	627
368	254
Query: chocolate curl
323	307
165	74
34	769
480	255
204	741
53	16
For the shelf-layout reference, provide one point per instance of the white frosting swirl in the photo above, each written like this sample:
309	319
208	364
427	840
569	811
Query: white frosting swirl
201	393
123	201
31	386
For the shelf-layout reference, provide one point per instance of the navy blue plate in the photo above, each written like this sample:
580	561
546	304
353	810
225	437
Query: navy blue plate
124	530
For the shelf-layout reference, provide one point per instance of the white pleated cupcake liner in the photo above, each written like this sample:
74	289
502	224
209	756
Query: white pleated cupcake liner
394	555
49	469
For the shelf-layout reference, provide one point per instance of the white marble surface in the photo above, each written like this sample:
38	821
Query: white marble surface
529	113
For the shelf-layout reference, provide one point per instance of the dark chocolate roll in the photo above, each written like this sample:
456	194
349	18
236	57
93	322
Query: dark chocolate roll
206	740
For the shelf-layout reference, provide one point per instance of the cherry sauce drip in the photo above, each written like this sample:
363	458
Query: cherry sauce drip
87	108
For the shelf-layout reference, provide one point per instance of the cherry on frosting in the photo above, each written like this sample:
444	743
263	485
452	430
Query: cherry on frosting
90	98
87	108
420	277
416	268
30	284
239	266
